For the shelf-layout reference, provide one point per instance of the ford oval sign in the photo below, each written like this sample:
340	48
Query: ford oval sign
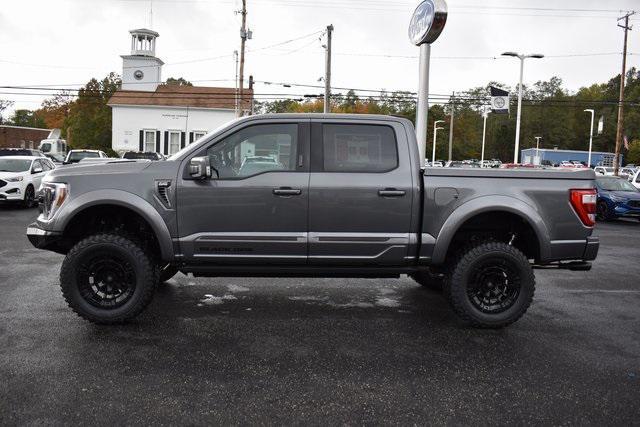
427	21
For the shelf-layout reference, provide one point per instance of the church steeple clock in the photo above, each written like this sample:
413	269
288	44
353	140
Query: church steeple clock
142	70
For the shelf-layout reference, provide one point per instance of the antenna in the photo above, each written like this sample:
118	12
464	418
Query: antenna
151	14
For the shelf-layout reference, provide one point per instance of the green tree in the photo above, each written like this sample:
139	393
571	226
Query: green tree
633	155
26	118
89	121
177	82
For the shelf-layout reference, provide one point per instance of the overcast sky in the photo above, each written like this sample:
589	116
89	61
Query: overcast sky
66	42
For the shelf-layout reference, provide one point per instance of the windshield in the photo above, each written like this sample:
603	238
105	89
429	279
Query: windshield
76	156
45	147
616	185
14	152
14	165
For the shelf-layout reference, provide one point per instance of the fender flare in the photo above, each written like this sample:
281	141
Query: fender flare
492	203
125	200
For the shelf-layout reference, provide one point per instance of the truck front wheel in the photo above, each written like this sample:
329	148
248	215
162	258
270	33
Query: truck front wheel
108	279
490	285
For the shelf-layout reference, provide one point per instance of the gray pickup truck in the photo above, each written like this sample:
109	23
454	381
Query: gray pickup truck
314	196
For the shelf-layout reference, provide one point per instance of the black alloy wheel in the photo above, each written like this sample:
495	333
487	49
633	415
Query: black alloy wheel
106	279
493	286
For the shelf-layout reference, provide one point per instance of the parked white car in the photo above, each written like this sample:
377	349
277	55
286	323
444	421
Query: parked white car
603	170
20	178
627	172
635	179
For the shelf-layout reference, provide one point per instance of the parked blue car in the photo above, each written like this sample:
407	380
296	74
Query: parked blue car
617	198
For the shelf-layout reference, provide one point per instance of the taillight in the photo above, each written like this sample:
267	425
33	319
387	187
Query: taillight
584	203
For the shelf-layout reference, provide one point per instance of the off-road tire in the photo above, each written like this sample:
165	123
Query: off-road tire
429	280
146	276
490	254
167	272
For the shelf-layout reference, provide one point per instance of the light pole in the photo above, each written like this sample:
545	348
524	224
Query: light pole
538	138
593	114
435	133
521	58
485	114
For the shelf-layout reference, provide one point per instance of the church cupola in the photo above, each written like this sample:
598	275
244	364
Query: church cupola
143	42
141	70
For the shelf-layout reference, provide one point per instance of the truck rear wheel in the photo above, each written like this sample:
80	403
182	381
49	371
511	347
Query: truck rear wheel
490	285
108	279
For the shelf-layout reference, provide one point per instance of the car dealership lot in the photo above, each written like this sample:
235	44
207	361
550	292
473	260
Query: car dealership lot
319	351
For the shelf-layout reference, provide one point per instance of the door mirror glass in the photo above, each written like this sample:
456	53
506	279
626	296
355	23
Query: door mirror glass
199	168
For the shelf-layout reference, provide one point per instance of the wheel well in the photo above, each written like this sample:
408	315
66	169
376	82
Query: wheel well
111	219
500	226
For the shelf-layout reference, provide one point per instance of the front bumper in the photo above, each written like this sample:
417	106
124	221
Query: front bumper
43	239
11	191
625	211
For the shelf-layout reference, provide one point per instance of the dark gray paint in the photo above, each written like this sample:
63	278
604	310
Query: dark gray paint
338	219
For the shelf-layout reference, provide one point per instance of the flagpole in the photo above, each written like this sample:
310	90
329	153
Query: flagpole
593	115
484	132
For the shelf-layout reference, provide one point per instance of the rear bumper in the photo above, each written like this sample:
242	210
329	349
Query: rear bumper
574	250
43	239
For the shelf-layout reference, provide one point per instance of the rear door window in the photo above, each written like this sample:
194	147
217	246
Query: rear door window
359	148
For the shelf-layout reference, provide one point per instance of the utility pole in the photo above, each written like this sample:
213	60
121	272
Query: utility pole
626	27
327	72
237	104
453	112
243	40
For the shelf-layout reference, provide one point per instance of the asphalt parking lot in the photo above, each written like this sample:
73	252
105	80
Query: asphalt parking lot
320	351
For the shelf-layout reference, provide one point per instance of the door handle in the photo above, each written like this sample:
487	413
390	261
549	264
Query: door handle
287	191
391	192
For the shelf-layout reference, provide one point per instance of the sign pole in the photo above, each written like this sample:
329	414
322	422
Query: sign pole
422	111
427	22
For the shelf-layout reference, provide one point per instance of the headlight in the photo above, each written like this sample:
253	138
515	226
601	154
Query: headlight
14	179
54	195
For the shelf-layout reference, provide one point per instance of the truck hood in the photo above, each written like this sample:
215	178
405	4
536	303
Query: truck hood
108	168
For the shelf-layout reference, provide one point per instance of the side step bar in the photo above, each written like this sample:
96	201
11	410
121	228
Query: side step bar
572	266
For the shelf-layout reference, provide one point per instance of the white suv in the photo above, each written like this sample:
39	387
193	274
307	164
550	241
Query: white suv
20	178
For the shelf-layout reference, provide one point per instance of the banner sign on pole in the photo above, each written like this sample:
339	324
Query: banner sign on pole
601	125
499	100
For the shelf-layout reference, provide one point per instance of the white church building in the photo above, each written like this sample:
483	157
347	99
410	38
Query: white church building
150	116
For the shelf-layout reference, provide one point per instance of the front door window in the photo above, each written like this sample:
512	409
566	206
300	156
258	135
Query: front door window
254	150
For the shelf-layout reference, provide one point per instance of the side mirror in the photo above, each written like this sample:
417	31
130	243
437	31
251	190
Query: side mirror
37	170
200	168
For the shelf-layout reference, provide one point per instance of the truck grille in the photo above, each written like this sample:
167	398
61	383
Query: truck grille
2	183
634	203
